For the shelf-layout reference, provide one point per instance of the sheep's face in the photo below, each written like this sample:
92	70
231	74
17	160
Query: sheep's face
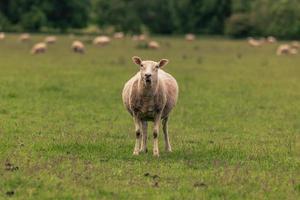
149	70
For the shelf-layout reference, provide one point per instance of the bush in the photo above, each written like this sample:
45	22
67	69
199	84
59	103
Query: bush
33	20
238	25
121	14
280	19
4	23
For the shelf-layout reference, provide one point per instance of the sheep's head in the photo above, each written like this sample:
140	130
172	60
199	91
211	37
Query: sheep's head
149	69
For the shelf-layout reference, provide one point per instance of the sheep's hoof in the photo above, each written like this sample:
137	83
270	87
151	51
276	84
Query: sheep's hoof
144	150
135	153
169	150
155	153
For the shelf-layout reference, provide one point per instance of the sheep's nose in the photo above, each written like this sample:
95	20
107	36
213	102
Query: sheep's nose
147	75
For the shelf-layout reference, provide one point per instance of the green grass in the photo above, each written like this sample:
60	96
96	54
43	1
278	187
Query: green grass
235	132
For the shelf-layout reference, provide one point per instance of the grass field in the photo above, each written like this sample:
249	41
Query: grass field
64	133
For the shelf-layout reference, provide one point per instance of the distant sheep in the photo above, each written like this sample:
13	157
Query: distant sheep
150	95
271	39
286	49
293	51
2	36
295	45
119	35
255	43
141	37
190	37
50	39
153	45
24	37
39	48
101	40
78	47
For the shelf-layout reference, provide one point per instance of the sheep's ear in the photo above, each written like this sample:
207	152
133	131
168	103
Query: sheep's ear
137	60
162	63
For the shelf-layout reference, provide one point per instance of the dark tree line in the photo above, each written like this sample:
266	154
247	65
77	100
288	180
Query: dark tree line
237	18
32	15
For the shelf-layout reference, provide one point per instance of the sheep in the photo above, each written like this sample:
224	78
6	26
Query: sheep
255	43
24	37
141	37
284	49
150	95
2	36
78	47
39	48
119	35
50	39
295	45
293	51
153	45
101	40
190	37
271	39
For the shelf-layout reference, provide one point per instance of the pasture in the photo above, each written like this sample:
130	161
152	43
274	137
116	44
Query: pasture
65	134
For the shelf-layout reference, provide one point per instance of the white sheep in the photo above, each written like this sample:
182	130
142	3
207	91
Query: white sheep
50	39
295	45
150	95
2	36
140	38
153	45
255	43
39	48
190	37
78	47
24	37
271	39
284	49
119	35
293	51
101	40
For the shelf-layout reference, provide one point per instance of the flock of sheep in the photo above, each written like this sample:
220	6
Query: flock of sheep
283	49
79	47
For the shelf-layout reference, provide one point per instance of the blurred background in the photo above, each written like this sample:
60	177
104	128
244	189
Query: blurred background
234	18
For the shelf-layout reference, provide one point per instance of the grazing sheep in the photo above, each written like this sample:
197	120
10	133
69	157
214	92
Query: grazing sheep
255	43
101	40
295	45
119	35
293	51
190	37
271	39
284	49
2	36
153	45
24	37
50	39
78	47
150	95
141	37
39	48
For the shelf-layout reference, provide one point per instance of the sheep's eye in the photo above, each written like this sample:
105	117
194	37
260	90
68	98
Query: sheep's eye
142	65
157	66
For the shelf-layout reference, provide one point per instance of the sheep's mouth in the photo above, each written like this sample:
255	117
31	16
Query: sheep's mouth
148	81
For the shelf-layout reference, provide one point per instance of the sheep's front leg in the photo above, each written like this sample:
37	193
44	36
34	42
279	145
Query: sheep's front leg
144	137
138	136
155	135
166	134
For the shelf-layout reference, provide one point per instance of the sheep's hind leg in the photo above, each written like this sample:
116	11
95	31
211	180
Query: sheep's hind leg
138	135
166	134
144	137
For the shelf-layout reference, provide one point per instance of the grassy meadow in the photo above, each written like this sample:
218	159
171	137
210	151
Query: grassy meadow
64	133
